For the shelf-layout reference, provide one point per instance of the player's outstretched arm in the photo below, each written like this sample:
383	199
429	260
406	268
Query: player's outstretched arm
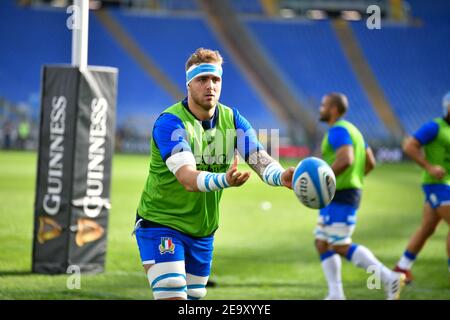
413	149
203	181
269	170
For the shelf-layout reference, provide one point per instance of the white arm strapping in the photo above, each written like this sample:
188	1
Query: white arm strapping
272	174
207	181
180	159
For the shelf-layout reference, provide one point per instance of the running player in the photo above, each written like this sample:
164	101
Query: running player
434	138
344	149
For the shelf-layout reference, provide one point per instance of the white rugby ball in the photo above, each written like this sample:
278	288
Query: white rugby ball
314	183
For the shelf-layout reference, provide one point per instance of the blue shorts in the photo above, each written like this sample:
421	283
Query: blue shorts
437	194
336	223
165	245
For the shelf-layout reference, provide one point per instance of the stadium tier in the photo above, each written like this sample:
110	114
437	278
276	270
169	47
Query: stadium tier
435	12
29	39
313	63
170	40
140	96
22	59
241	6
187	5
411	63
164	39
248	6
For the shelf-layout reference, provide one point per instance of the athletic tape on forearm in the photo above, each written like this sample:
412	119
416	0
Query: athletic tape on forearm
207	181
272	174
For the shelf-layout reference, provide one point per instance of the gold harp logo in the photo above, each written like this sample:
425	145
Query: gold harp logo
48	229
87	231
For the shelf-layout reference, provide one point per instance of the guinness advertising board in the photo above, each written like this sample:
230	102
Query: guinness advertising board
76	145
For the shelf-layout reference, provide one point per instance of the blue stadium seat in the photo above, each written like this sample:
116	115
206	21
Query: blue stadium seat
139	95
29	38
247	6
170	40
41	37
411	62
311	59
179	5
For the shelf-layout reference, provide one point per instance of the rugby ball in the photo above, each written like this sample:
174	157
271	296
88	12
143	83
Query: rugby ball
314	183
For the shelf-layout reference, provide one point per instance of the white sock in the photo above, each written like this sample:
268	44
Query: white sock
405	263
332	269
407	260
364	258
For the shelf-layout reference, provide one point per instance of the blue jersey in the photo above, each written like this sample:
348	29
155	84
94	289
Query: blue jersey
169	134
427	133
338	137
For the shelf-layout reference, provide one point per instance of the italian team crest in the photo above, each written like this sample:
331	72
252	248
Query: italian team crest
166	245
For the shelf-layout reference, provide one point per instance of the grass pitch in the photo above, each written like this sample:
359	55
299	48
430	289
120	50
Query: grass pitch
263	248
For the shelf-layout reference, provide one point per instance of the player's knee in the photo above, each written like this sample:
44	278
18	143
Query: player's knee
168	280
169	288
196	293
196	286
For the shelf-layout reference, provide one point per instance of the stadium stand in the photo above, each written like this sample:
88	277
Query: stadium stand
161	37
178	5
411	62
248	6
165	39
23	52
313	62
241	6
23	58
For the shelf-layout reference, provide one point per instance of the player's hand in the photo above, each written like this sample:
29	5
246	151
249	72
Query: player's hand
436	172
286	177
234	177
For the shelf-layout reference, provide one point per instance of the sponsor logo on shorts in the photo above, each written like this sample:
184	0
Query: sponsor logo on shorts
434	199
166	245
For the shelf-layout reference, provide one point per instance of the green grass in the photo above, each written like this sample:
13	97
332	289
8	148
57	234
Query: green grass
259	254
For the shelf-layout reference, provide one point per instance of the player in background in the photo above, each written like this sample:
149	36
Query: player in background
344	149
192	160
434	138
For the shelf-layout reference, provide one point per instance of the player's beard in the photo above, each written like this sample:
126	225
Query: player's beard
324	117
202	102
324	114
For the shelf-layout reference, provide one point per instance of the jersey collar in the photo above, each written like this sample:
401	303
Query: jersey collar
206	124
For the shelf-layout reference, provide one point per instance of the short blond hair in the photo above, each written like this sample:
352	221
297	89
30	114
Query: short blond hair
202	55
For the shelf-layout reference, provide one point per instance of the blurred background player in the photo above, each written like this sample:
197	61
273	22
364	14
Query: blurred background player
434	138
344	149
192	149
